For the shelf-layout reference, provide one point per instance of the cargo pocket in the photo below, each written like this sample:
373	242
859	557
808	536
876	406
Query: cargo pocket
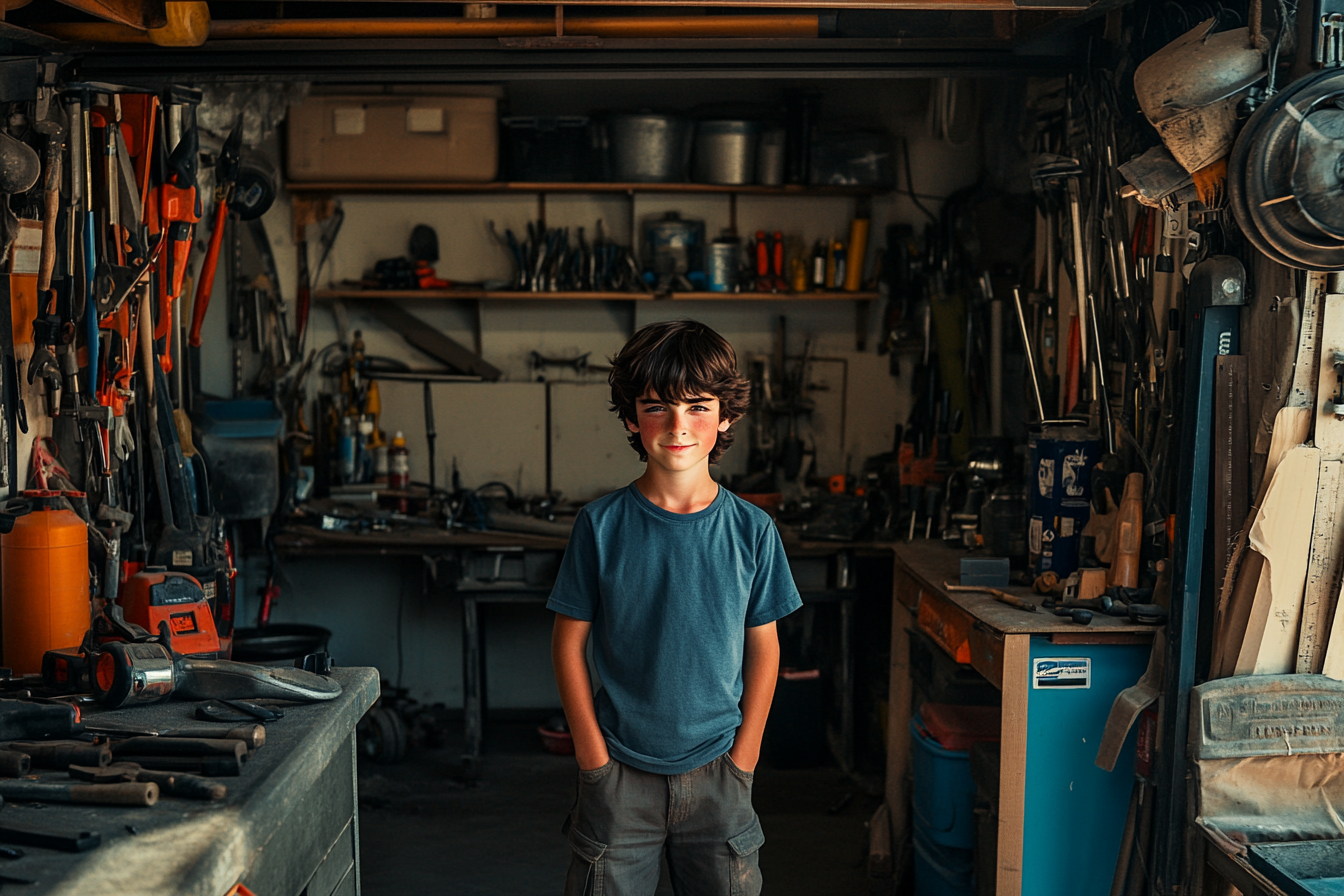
585	865
744	864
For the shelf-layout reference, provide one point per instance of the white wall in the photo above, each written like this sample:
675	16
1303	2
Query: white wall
497	430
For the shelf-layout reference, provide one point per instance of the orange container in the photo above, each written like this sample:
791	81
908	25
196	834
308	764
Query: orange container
44	584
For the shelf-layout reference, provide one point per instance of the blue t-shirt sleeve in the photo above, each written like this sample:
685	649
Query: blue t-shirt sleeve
773	593
575	592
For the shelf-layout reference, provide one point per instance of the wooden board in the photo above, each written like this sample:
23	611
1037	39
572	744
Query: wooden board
1292	427
1282	535
1327	536
1013	764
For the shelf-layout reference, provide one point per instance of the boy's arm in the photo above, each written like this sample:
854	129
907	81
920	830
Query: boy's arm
568	642
760	668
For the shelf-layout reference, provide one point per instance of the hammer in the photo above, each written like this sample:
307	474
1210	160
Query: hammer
51	198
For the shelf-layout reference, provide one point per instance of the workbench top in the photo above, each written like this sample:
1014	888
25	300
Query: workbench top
304	540
931	563
201	848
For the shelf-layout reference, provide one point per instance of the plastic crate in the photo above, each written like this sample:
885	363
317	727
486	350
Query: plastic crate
944	793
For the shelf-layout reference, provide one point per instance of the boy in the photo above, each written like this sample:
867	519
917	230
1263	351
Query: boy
679	583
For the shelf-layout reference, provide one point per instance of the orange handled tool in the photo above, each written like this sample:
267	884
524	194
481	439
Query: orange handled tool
226	173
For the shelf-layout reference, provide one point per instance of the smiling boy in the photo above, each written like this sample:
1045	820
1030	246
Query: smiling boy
679	584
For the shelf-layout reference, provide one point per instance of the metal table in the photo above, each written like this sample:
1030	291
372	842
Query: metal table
289	825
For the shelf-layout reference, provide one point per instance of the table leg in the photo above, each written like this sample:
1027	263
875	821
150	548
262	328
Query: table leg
1013	762
846	684
471	685
898	727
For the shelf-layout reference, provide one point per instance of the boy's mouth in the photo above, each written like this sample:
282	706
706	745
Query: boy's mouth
678	447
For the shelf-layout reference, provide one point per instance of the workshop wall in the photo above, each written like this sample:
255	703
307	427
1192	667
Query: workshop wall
498	430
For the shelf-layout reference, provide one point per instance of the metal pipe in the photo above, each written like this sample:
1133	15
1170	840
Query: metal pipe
788	25
1031	360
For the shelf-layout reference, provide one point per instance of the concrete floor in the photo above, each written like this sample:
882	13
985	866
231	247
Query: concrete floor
422	832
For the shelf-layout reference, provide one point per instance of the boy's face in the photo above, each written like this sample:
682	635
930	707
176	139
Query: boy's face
677	435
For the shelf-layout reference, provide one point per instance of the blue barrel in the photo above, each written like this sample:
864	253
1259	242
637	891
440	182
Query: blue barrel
1059	486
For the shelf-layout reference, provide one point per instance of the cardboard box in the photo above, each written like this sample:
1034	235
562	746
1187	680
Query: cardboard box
394	138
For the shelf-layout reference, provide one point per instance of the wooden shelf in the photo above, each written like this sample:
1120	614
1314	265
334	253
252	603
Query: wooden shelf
329	295
329	187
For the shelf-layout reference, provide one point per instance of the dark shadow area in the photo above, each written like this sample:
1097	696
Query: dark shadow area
423	831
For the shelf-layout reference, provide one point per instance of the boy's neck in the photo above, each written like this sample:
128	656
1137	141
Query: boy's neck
684	491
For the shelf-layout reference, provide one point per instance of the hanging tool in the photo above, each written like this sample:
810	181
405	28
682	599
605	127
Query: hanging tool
176	210
226	172
1031	360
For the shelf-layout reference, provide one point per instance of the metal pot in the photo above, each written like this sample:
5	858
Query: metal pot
725	151
648	148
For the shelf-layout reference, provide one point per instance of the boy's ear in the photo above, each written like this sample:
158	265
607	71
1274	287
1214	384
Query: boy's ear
630	426
727	422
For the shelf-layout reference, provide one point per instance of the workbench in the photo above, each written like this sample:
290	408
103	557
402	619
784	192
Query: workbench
1056	809
289	825
492	568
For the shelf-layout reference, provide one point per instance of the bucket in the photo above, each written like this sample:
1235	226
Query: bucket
725	151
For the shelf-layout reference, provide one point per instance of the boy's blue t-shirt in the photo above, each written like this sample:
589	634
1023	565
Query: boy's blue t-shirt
670	596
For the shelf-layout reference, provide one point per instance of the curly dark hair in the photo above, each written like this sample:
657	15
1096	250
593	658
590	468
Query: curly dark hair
678	359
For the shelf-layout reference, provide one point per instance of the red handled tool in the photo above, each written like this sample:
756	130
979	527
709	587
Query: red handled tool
226	174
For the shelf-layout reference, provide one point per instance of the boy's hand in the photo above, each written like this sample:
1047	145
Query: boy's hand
745	758
592	758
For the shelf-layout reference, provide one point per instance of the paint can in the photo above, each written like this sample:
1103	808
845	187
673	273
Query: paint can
724	264
1059	486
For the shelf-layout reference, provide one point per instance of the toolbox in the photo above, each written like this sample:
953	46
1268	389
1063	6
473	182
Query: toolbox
394	137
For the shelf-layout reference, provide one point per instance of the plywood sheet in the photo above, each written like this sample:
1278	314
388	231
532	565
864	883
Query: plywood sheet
1282	535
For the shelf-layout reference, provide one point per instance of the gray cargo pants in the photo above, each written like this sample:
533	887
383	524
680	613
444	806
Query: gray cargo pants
624	817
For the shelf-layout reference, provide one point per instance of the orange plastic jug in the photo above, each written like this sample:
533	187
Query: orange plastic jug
44	583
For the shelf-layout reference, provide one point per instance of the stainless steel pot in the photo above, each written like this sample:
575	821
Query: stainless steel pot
725	151
649	148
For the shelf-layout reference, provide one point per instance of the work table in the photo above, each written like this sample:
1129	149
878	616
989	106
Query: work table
289	824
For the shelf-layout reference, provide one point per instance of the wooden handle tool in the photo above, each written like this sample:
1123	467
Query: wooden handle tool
999	595
128	794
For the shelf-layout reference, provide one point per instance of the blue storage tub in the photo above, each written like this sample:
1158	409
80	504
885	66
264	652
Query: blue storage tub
245	418
942	870
241	443
944	794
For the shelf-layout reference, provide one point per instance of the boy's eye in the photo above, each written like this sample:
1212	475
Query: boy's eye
699	407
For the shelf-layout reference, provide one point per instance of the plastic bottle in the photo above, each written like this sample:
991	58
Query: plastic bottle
398	464
347	450
44	579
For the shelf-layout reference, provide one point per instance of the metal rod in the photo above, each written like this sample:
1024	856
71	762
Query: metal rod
1079	270
1031	360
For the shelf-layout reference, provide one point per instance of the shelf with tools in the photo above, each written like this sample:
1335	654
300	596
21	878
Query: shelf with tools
317	188
340	295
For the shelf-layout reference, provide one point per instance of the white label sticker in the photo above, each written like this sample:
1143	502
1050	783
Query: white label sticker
1061	672
347	121
1066	527
209	588
1034	536
424	121
1073	474
181	558
1045	477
